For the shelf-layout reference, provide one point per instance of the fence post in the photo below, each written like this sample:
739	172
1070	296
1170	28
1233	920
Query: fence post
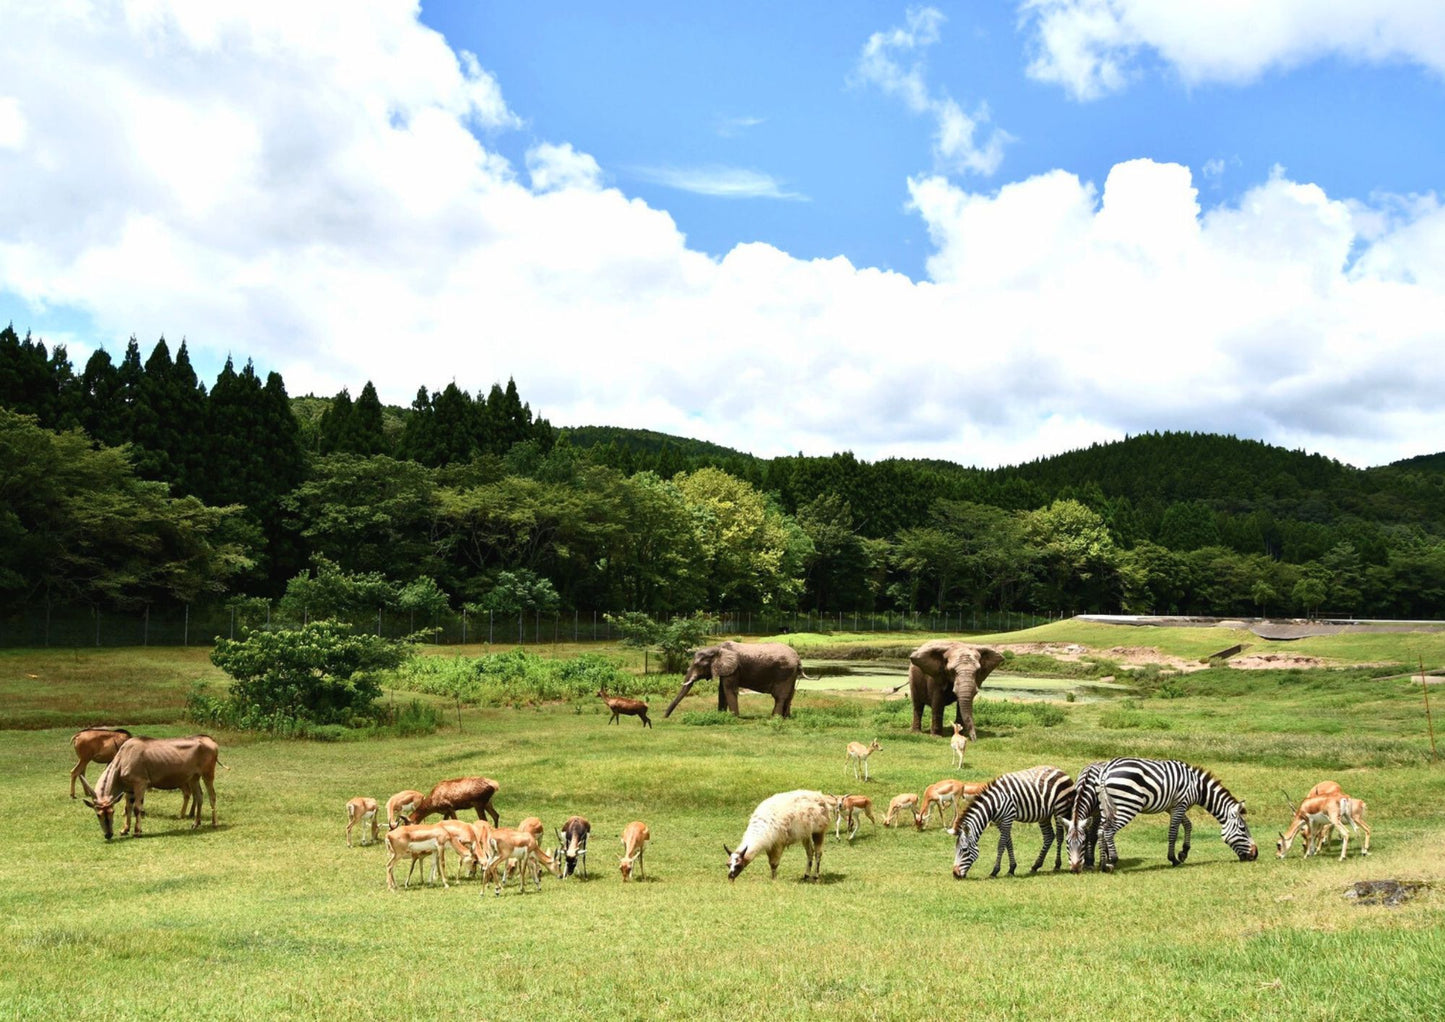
489	627
464	626
233	622
186	630
145	628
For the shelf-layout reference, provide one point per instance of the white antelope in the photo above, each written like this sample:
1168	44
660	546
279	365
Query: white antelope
859	753
908	802
507	847
417	841
847	806
400	805
959	742
948	792
363	811
634	842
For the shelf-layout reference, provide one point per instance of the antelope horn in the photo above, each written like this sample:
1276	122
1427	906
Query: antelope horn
1292	810
86	785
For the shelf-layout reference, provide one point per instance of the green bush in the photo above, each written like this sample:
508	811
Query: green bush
520	678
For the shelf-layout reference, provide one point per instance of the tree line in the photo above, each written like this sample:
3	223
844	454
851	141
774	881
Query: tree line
134	483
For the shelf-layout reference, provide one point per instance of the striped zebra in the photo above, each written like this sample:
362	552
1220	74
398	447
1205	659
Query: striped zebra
1041	794
1127	787
1082	826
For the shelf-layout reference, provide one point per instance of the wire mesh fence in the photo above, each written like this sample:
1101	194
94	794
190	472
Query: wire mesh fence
202	625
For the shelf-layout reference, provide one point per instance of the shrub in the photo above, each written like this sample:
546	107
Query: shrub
996	713
519	678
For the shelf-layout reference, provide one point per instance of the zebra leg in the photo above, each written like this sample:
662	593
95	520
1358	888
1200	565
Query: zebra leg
1091	841
1175	819
1048	831
1058	845
1003	840
1188	833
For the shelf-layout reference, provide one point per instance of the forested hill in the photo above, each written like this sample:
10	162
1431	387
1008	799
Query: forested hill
239	489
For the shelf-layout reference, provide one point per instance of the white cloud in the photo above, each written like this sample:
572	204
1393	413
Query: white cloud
731	127
341	223
12	123
893	61
719	182
1094	47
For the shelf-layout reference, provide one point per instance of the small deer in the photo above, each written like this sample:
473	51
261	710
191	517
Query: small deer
847	806
634	842
859	753
401	804
959	742
619	705
947	792
363	811
506	847
907	801
417	841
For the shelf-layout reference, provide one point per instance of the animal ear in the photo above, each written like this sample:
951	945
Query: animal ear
725	663
728	850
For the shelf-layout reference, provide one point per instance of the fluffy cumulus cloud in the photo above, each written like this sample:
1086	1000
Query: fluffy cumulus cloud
1093	47
314	186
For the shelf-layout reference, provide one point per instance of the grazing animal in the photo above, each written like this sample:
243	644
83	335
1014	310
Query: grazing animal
361	810
634	842
97	745
506	847
1082	827
1041	794
907	801
572	844
782	820
1322	788
417	841
1127	787
847	806
1318	817
959	742
481	831
466	836
947	792
399	805
859	753
619	705
450	797
145	763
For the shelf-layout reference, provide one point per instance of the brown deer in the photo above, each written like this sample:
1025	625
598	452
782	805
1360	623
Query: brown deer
619	705
506	847
859	753
450	797
96	745
634	842
417	841
947	792
363	811
907	801
847	806
399	805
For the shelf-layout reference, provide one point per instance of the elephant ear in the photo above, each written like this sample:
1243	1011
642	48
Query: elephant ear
931	657
988	660
725	663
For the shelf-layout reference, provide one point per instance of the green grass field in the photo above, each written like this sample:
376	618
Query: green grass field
271	915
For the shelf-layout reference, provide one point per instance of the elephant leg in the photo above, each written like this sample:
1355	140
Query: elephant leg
786	702
730	696
937	728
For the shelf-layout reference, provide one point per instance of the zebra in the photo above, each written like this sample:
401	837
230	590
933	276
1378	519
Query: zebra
1082	826
1127	787
1041	794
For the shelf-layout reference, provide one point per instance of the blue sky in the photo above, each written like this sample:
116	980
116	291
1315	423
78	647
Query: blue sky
981	232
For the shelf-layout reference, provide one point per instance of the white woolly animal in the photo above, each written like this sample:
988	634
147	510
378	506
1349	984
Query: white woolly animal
783	820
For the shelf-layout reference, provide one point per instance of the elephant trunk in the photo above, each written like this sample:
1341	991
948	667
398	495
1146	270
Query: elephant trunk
686	688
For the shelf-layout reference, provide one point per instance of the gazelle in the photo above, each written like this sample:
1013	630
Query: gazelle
418	840
1320	815
1323	789
634	842
363	811
907	801
572	844
401	804
506	847
859	753
847	806
466	835
959	742
947	792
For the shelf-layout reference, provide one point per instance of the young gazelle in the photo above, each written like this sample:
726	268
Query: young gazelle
466	836
847	806
859	753
634	842
959	742
363	811
908	801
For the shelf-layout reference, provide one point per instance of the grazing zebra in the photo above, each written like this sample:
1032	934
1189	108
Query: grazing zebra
1082	826
1041	794
1127	787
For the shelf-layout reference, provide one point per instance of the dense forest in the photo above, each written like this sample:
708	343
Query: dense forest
132	484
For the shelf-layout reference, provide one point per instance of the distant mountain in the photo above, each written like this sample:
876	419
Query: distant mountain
646	441
1421	463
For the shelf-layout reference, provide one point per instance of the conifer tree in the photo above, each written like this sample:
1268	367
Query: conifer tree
368	428
334	430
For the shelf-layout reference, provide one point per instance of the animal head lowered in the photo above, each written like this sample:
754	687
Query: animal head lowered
104	807
1234	832
737	861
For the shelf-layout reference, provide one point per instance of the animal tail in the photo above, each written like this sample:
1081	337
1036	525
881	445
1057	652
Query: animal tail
222	765
895	688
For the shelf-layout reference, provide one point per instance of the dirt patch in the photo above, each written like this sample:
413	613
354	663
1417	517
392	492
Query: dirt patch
1071	651
1262	661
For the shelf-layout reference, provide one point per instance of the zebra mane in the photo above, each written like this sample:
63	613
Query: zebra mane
978	801
1208	780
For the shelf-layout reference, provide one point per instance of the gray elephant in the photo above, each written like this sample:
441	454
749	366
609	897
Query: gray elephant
771	667
944	672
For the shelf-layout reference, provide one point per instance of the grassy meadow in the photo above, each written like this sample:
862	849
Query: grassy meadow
271	915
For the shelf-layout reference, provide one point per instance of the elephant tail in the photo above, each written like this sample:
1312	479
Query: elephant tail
894	690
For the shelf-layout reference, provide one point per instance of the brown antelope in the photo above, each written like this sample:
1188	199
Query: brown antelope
450	797
859	753
417	841
947	792
1352	811
505	847
1282	846
97	745
634	842
620	705
145	763
465	835
532	825
399	805
847	806
572	844
1318	817
363	811
959	742
481	832
907	801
